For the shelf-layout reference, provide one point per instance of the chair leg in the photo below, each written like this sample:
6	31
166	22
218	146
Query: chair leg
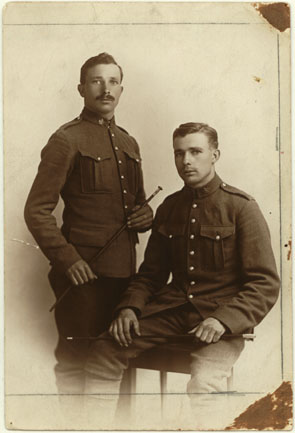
126	401
230	381
163	390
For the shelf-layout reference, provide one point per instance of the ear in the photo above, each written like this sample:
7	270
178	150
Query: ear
215	155
122	88
81	90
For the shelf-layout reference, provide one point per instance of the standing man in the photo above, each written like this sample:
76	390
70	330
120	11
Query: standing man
95	166
216	244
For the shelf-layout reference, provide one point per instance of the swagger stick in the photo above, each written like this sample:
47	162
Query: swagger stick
106	246
167	337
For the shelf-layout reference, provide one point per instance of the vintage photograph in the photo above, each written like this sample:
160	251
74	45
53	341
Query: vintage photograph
147	215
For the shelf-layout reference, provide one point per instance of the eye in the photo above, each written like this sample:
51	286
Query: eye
114	82
97	81
195	152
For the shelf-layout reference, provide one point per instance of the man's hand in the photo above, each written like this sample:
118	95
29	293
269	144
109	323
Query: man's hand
80	273
208	331
120	327
140	219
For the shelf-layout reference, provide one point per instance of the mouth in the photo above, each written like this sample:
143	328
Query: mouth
189	172
104	99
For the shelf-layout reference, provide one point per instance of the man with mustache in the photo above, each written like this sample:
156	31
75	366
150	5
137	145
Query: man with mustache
95	166
215	242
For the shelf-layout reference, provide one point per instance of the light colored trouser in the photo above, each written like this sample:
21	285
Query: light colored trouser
211	364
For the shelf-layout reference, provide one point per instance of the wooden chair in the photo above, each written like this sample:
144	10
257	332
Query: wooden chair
165	358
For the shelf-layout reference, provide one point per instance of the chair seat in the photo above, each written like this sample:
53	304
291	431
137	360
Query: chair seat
167	357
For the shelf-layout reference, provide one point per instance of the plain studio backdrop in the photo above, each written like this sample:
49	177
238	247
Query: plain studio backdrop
219	64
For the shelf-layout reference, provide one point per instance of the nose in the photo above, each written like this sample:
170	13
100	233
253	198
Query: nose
186	159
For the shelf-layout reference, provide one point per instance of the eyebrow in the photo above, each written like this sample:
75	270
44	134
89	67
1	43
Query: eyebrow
190	148
99	76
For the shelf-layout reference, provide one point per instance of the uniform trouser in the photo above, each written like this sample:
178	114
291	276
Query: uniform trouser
85	311
211	365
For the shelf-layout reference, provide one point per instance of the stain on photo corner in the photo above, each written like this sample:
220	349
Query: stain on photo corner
272	412
277	14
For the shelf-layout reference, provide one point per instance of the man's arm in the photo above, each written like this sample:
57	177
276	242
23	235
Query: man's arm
57	160
260	289
154	272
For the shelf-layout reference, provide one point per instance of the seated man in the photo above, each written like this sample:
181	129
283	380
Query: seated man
214	240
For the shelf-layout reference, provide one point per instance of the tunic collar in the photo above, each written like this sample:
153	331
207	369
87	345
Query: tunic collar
96	118
205	190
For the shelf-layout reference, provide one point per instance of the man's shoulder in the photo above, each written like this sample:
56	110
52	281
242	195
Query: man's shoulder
69	125
123	130
170	200
232	190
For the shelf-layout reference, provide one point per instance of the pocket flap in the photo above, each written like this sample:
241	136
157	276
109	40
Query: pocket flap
132	154
217	232
95	154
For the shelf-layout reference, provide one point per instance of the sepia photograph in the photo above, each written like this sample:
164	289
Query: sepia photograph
147	216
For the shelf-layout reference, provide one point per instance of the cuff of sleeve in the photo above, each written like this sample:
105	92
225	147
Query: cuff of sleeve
136	311
63	261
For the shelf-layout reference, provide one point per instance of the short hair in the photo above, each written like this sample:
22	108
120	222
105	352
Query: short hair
100	59
192	127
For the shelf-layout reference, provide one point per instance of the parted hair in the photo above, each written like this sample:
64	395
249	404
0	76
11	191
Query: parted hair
100	59
193	127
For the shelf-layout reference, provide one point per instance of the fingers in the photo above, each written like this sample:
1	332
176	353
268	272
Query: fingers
121	327
121	332
114	332
80	273
136	327
208	331
91	276
140	218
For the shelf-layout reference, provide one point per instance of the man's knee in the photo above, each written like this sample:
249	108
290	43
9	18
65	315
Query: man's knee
104	359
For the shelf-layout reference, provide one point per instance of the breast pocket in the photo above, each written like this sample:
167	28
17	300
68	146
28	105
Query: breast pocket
96	173
133	167
216	243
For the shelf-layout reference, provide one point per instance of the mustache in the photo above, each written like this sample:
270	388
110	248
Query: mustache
105	97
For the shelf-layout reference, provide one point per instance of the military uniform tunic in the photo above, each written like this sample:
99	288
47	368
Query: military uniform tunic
95	166
215	243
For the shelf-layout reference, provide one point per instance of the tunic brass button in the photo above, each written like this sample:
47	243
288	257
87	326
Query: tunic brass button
193	220
217	238
100	121
126	207
195	205
120	162
192	253
191	296
122	176
170	236
192	237
192	283
191	268
98	158
124	191
116	148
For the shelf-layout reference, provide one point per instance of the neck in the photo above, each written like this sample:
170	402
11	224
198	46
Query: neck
106	116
